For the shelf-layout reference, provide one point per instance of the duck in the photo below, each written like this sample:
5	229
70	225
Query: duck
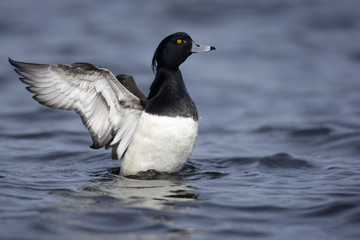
148	133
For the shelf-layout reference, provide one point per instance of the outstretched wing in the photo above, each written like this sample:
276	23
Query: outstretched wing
108	110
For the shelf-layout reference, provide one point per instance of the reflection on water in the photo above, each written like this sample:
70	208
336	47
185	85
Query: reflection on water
150	194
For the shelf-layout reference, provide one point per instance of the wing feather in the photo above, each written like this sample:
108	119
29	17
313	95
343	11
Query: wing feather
108	110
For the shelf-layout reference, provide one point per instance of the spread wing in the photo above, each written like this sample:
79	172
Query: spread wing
108	110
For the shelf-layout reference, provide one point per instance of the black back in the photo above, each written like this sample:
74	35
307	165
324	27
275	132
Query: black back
129	83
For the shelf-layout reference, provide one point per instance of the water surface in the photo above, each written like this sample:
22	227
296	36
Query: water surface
277	155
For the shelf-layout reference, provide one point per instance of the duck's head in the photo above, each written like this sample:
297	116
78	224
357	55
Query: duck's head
174	49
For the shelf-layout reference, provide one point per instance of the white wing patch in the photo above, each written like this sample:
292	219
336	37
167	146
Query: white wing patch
108	110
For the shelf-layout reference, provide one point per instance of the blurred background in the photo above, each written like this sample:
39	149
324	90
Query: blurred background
284	79
278	65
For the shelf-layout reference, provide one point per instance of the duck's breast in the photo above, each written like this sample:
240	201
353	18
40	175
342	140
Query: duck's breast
161	143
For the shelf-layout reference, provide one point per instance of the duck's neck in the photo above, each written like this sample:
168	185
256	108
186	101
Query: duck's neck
167	82
169	97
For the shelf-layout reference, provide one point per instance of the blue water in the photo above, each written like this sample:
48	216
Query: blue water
278	152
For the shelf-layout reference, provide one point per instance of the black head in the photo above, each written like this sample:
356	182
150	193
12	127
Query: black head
174	49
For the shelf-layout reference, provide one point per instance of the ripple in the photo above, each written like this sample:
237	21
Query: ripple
44	134
331	209
284	161
276	161
311	132
296	132
333	21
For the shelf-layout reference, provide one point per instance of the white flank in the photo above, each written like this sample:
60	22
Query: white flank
160	143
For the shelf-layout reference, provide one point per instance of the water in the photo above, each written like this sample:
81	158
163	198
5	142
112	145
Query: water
277	155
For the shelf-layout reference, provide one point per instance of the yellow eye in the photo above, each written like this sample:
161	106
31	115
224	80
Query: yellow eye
179	41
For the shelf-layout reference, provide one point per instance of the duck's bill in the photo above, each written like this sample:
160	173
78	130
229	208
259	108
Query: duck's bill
199	48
